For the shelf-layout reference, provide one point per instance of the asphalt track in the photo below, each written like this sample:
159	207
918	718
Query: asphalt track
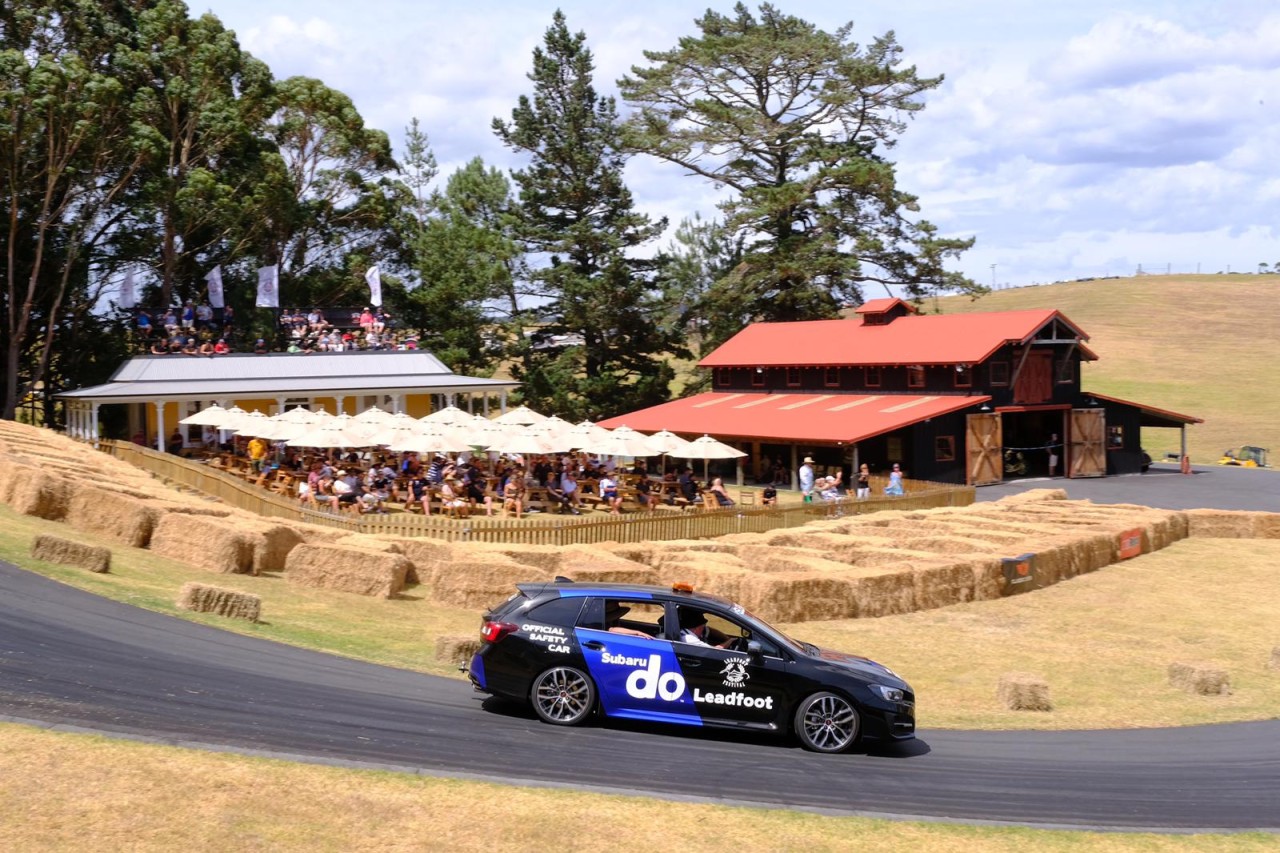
71	659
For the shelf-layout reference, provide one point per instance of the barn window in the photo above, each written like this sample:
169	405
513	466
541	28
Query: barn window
1115	437
793	377
944	448
915	376
964	376
1065	373
872	377
757	378
999	372
831	377
722	377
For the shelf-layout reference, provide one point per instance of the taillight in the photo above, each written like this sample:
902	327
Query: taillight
492	632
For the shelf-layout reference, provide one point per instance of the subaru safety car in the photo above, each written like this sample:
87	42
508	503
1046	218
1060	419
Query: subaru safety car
672	655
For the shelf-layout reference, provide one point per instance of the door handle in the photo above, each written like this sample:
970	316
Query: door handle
594	645
689	662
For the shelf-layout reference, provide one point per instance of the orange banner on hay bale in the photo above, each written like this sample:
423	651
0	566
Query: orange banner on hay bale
1129	543
1019	573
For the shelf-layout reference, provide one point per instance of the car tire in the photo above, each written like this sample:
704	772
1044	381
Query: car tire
563	696
826	722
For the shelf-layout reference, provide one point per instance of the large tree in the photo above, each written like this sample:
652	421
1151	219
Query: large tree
797	122
203	102
466	265
69	152
602	348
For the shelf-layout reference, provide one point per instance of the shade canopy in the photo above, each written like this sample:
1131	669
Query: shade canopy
522	415
708	448
208	416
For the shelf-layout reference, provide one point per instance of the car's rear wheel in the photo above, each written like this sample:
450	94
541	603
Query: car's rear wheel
826	722
563	696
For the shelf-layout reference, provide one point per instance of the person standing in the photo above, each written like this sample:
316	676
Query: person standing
862	483
895	481
807	479
1054	444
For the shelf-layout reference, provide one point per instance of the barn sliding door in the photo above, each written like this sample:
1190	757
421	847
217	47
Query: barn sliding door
985	437
1087	452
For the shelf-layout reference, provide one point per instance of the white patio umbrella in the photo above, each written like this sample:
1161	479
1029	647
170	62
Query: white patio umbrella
447	415
434	438
250	424
623	441
707	448
584	432
522	439
374	415
522	415
339	431
395	429
669	444
208	416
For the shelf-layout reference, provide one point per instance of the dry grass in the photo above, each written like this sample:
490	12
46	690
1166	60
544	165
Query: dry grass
68	792
1105	641
1143	330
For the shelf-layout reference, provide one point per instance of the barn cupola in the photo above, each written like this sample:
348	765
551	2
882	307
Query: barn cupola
882	312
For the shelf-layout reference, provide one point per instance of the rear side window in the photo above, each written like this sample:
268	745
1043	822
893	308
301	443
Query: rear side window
558	611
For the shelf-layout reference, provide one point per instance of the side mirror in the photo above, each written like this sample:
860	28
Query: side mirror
754	649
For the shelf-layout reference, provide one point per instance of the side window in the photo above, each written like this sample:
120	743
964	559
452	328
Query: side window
557	611
721	631
604	614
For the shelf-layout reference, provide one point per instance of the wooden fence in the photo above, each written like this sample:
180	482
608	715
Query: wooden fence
539	529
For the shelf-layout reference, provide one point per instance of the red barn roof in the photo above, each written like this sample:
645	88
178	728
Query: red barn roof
929	339
793	417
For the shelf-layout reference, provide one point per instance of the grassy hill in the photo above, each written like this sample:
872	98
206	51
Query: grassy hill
1203	345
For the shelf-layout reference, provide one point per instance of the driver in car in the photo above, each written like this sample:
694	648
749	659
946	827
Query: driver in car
695	630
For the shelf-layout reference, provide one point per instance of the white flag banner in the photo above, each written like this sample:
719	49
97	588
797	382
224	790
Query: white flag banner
374	278
214	278
128	294
269	286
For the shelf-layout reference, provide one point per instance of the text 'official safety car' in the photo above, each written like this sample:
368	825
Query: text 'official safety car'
676	656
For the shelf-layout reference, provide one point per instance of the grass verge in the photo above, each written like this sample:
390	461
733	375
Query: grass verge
63	792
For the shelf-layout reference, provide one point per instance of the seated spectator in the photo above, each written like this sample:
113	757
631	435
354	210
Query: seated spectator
189	316
144	324
722	497
513	492
347	488
644	493
769	496
451	497
609	494
170	321
569	489
175	345
160	346
260	347
365	320
688	486
176	442
207	348
190	347
221	346
419	493
828	488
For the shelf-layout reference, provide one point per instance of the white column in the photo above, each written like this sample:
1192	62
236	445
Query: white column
93	422
161	432
280	405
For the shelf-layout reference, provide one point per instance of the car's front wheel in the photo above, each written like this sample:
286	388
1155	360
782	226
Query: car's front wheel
563	696
826	722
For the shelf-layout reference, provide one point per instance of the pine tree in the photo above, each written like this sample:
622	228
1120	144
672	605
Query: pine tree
598	352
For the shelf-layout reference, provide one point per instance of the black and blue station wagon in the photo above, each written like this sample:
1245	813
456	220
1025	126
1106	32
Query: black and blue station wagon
678	656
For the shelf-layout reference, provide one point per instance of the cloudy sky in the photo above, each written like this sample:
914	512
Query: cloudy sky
1073	140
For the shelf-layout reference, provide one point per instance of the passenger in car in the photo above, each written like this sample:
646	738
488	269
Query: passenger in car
612	614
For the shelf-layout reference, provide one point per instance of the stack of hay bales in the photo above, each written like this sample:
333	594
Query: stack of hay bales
216	544
345	569
1229	524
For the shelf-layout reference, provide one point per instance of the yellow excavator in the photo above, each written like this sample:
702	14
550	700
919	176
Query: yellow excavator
1246	456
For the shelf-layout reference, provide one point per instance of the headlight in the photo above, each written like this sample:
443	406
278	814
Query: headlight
889	694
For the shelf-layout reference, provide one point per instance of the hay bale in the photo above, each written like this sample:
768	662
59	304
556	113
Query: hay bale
31	491
110	514
271	543
598	565
1202	679
480	582
1221	523
798	597
1021	691
943	585
1266	525
1274	663
458	650
1032	496
53	549
347	570
205	542
223	602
